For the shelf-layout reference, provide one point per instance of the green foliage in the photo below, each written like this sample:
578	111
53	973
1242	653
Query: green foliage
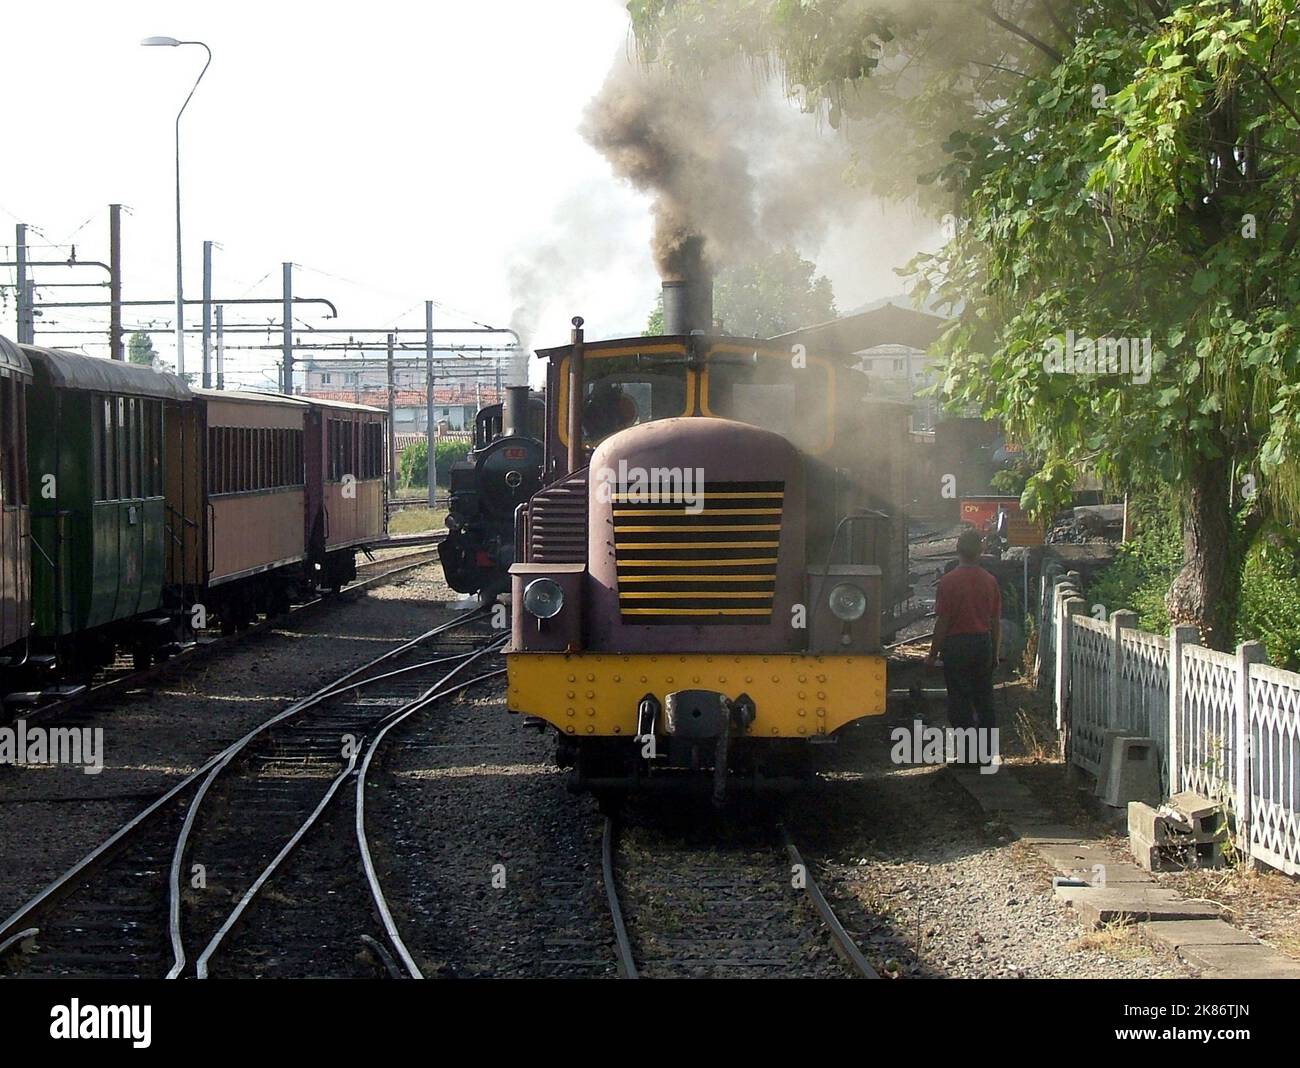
139	349
413	467
1127	220
1270	599
1145	565
772	295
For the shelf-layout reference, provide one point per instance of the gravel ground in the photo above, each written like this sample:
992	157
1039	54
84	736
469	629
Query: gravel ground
491	867
51	816
932	889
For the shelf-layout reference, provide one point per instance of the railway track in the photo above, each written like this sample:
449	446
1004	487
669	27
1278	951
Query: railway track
744	903
122	675
171	893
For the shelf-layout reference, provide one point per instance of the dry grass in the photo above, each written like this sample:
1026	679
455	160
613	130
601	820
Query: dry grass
416	520
1118	939
1266	903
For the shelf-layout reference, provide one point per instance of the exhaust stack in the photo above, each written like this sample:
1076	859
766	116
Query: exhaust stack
514	411
688	305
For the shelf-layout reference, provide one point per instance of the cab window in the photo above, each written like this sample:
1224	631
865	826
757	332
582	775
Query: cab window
624	391
766	389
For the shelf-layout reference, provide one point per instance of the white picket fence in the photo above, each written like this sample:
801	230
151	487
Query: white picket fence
1226	725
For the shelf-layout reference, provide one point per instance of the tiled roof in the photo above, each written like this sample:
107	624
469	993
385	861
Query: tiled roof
443	396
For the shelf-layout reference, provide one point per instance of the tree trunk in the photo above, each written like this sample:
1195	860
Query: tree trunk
1204	592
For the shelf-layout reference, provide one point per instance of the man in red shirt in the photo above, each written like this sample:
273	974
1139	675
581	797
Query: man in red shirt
968	632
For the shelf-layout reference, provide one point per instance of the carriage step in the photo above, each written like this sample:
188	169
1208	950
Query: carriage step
63	693
23	699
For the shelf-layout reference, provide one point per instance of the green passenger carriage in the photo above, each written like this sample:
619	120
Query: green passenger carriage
100	524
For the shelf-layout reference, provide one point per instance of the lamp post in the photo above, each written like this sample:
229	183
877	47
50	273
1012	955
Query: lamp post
172	42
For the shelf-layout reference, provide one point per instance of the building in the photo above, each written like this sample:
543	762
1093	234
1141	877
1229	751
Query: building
454	405
890	345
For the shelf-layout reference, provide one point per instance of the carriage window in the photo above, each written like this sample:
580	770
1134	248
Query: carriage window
97	442
109	451
133	432
764	389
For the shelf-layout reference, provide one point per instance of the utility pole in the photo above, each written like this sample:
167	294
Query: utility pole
392	439
430	423
207	314
115	282
23	310
288	327
221	347
31	311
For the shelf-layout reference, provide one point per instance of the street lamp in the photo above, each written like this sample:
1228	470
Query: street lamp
172	42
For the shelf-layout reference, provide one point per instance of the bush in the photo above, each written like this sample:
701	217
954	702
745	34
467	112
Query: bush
1268	610
413	468
1270	601
1140	575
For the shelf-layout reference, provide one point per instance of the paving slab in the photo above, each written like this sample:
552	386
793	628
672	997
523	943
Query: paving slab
1099	906
1110	875
1080	860
1256	961
1179	933
1047	834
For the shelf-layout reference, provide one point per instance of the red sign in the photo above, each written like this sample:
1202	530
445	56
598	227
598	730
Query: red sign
982	514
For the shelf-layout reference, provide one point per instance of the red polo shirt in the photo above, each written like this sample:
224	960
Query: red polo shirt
969	599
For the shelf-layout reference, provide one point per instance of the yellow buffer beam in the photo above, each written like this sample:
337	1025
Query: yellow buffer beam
796	695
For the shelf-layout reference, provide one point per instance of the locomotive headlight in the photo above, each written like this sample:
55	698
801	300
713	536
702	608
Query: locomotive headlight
543	598
847	602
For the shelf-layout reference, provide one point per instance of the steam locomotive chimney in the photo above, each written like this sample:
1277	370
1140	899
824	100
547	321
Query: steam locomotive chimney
514	411
688	304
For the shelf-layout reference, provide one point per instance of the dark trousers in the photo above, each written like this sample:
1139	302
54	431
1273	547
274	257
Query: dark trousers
968	674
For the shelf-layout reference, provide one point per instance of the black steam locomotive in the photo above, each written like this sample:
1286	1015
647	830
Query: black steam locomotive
502	472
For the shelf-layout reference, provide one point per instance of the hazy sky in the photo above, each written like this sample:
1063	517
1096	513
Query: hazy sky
395	152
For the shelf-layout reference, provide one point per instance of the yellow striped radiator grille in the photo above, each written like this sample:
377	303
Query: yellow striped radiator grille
714	562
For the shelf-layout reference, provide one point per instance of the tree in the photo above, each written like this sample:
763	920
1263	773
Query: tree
413	465
771	296
1122	170
139	349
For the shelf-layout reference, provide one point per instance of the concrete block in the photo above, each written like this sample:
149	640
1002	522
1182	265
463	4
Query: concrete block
1207	819
1145	821
1107	755
1132	773
1174	854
